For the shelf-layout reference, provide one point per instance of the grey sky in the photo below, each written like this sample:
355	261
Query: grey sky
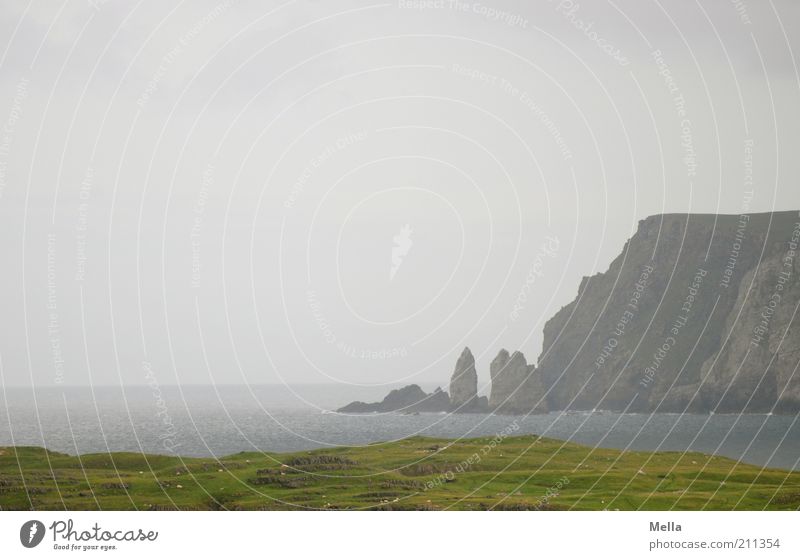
215	188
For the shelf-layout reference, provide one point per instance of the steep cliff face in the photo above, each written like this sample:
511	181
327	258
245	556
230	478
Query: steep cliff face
668	326
758	362
516	386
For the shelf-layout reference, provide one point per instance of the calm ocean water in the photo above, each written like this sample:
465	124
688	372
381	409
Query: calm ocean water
208	421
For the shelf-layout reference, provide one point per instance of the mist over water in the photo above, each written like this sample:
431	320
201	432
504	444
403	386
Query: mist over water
201	421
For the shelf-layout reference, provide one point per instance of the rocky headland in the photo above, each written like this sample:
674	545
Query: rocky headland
698	313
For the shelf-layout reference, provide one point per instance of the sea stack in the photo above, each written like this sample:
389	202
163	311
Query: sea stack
516	386
464	386
464	381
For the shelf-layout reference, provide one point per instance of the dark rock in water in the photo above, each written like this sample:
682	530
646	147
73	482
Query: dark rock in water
359	407
410	399
464	386
404	398
438	401
516	386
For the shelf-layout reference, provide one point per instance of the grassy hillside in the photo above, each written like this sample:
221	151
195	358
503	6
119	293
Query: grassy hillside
523	472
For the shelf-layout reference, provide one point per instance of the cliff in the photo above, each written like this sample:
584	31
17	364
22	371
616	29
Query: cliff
674	323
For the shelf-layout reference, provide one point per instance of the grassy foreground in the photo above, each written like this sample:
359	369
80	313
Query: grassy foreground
517	473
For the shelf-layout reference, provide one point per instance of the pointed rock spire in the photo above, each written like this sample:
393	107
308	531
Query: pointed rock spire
464	381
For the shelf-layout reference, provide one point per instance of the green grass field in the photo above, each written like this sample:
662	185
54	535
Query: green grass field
516	473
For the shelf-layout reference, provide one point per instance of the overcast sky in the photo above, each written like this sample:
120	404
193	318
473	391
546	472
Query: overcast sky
352	191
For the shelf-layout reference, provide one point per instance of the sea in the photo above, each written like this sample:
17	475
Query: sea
215	421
